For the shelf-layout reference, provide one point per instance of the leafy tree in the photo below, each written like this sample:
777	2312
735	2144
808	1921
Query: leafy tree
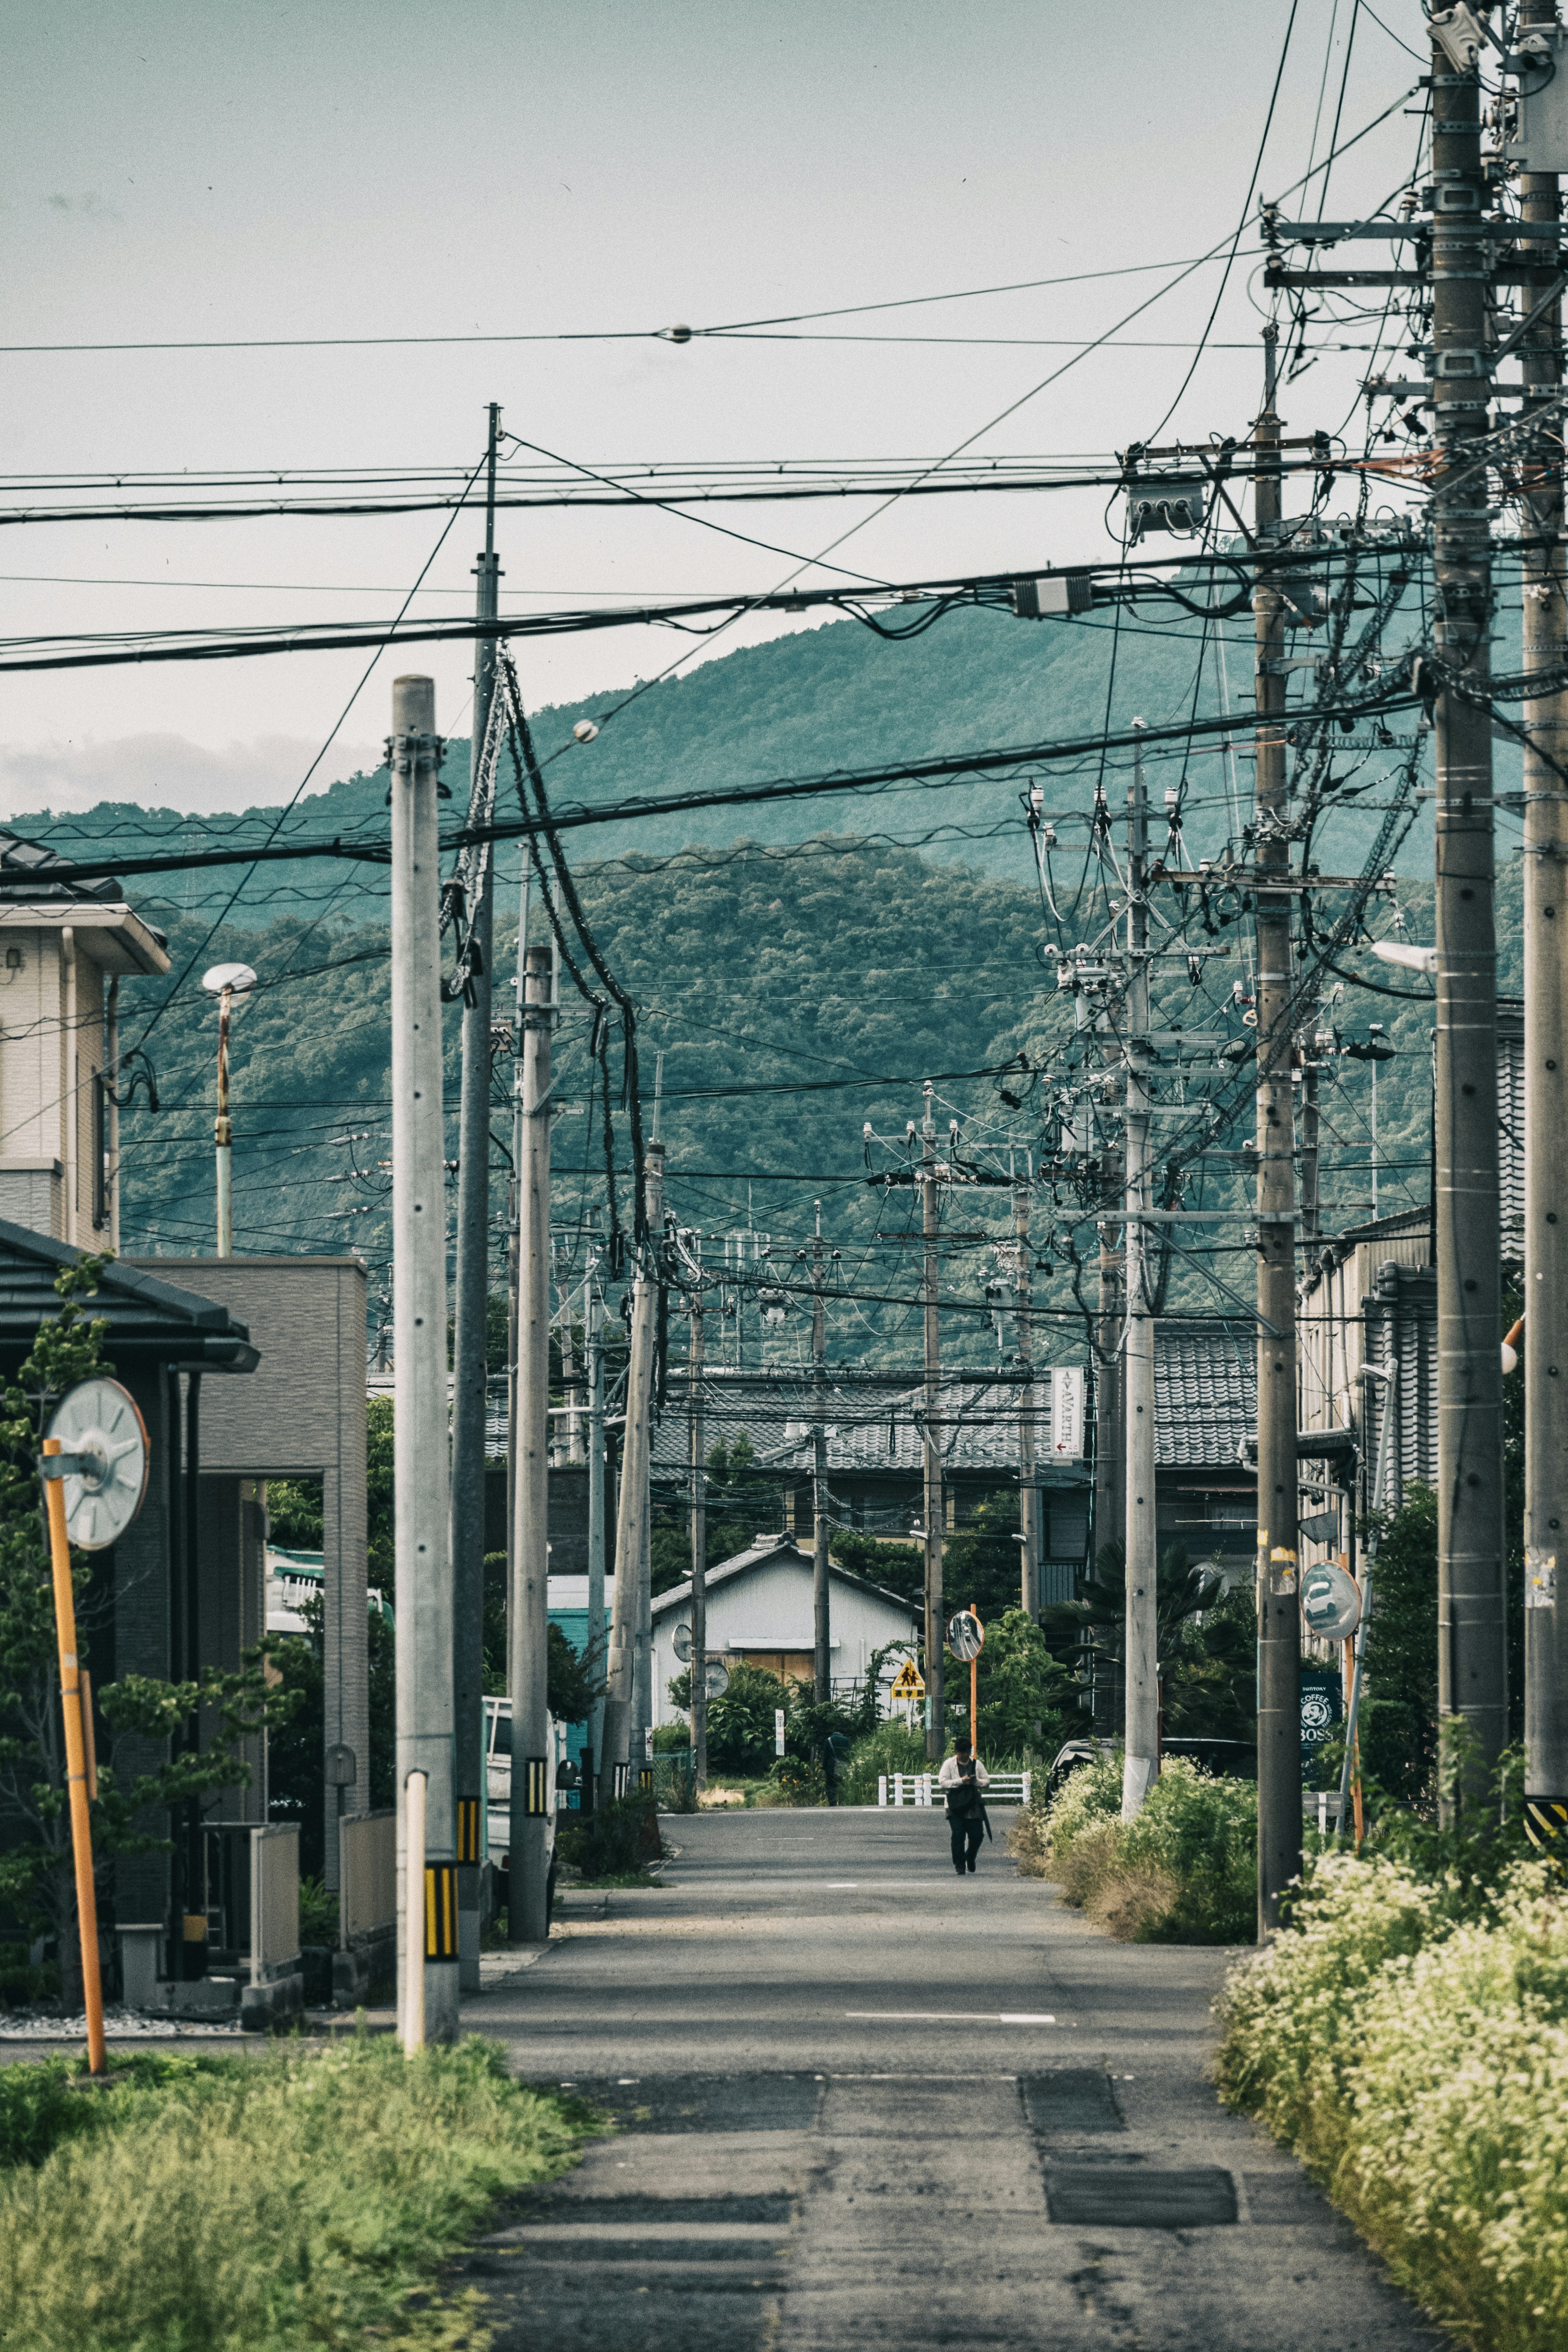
741	1720
1203	1637
573	1681
1026	1697
896	1566
37	1877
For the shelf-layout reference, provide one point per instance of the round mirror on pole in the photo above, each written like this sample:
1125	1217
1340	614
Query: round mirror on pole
100	1423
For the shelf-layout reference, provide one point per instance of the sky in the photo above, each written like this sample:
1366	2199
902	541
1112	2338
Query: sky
182	173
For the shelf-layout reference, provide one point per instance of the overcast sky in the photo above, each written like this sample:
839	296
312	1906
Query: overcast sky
186	172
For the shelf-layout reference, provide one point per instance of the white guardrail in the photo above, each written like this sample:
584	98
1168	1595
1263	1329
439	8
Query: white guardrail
920	1788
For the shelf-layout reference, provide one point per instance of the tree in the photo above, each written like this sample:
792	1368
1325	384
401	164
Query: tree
1205	1641
37	1882
740	1720
1026	1697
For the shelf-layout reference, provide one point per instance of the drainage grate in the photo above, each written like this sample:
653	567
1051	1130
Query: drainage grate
1134	2197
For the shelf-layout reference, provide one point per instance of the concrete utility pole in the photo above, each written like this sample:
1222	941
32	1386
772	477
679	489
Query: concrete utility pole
594	1341
1141	1758
421	1497
1279	1603
1310	1136
471	1337
633	1498
1472	1677
936	1729
821	1597
1028	1490
698	1530
1545	1350
514	1229
527	1613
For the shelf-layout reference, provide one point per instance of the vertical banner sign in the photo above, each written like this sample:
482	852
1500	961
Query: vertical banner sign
778	1731
1322	1707
1067	1412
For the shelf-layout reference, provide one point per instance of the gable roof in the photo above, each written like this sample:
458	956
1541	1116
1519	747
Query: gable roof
780	1551
872	1425
149	1322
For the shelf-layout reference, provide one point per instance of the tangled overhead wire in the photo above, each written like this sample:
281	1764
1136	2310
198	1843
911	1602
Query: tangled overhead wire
574	952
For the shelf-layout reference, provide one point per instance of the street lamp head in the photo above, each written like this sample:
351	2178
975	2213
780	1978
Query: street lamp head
236	977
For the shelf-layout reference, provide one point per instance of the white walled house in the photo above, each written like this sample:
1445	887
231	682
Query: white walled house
760	1613
63	954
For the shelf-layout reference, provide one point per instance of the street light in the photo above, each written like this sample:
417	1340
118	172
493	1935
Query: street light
225	982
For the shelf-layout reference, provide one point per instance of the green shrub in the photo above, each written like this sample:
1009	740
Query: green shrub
891	1747
318	1914
614	1841
22	1984
1418	2061
1182	1871
271	2204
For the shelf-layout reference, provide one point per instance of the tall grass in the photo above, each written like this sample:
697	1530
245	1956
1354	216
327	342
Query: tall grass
1417	2060
271	2204
1181	1872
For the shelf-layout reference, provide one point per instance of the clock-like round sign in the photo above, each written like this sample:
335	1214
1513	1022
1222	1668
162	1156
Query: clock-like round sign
100	1423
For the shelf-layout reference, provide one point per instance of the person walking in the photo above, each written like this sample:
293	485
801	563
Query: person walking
962	1778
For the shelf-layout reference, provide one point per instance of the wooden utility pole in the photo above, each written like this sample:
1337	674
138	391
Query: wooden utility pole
631	1500
1028	1490
598	1480
1279	1603
1545	1350
1472	1678
821	1599
935	1724
528	1611
699	1528
1141	1758
427	1976
471	1332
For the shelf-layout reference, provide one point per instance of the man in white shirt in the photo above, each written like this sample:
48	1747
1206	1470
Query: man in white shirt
962	1778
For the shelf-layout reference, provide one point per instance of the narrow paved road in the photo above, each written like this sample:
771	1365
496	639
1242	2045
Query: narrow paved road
863	2102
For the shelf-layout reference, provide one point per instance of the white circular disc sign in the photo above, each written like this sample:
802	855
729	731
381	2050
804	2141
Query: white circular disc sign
716	1679
680	1642
965	1635
101	1420
1331	1603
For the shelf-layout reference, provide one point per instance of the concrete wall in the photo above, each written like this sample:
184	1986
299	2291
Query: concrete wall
302	1414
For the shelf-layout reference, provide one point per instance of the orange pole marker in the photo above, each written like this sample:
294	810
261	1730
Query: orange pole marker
76	1764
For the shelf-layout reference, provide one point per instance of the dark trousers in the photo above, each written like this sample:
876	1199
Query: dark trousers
967	1832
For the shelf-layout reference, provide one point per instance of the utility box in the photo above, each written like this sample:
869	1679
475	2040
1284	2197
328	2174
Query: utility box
1541	138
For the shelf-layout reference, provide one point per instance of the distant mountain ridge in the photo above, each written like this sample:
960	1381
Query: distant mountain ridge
837	697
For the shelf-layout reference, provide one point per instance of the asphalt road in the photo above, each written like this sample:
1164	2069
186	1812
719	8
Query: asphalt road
862	2103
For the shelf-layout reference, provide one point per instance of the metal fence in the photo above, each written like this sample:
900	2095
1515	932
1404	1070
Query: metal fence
367	1866
274	1898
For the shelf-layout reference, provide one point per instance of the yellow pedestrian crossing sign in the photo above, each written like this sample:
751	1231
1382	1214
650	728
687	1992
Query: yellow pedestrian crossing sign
909	1683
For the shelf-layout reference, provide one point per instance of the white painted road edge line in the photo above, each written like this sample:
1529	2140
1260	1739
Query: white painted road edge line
952	2016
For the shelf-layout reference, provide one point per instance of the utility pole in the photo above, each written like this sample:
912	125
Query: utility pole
821	1598
593	1340
1028	1491
420	1475
514	1231
1545	1350
1310	1136
936	1730
633	1497
1279	1605
1141	1757
471	1344
528	1612
1472	1677
694	1376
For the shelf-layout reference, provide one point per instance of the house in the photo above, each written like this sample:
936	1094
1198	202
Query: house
760	1614
875	1424
65	948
